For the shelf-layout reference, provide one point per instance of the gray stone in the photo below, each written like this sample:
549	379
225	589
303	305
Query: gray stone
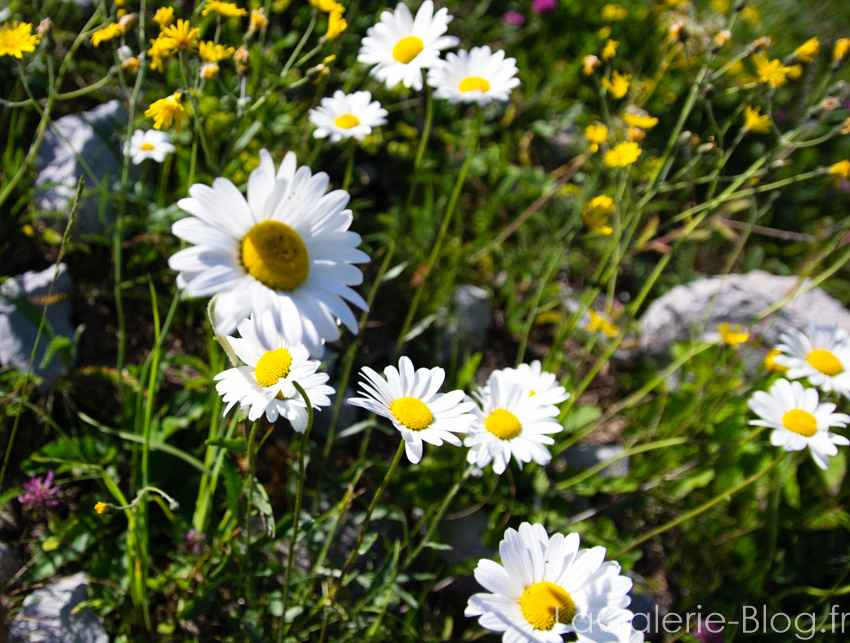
91	136
10	563
468	318
585	456
22	298
47	615
693	312
465	535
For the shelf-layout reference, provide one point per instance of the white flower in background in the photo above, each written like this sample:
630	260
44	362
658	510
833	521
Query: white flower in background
285	254
264	384
821	354
475	76
347	116
543	385
401	46
546	588
510	422
152	144
798	420
412	401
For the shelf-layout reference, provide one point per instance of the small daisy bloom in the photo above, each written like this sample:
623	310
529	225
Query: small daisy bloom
548	587
822	355
285	253
798	420
401	46
475	76
411	400
542	385
347	116
264	384
152	144
510	422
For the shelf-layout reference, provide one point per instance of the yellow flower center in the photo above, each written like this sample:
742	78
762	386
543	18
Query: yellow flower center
533	393
543	604
275	255
347	121
412	413
474	82
503	424
800	422
272	366
407	49
825	362
146	147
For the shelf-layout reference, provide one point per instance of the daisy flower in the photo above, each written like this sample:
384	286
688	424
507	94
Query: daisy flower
285	253
542	385
798	420
401	46
475	76
822	354
347	116
412	402
546	588
510	422
152	144
621	632
264	384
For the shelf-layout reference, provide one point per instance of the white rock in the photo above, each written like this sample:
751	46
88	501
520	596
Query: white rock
47	615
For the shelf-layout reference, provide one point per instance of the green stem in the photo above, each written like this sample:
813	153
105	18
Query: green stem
349	166
252	466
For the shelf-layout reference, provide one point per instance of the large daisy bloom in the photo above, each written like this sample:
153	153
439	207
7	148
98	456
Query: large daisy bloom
412	401
401	46
798	420
284	254
475	76
152	144
510	422
542	385
347	116
546	588
821	354
264	384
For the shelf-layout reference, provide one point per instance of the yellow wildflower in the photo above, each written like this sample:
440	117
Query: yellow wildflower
599	323
597	212
164	16
770	361
604	33
618	86
841	49
808	50
772	72
596	134
324	5
101	507
16	38
610	49
756	122
161	48
723	36
131	64
644	121
168	110
623	154
258	20
336	23
635	134
242	58
732	336
223	9
613	13
182	35
589	64
845	127
209	70
750	14
212	53
841	169
109	32
795	72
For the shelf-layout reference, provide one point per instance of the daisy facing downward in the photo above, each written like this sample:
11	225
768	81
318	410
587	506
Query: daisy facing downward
798	420
347	116
265	384
285	254
401	46
412	401
548	587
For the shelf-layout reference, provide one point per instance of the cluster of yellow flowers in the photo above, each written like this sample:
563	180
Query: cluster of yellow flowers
335	11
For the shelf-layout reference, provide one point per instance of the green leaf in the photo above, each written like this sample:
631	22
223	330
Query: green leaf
264	506
51	543
237	445
367	544
580	417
